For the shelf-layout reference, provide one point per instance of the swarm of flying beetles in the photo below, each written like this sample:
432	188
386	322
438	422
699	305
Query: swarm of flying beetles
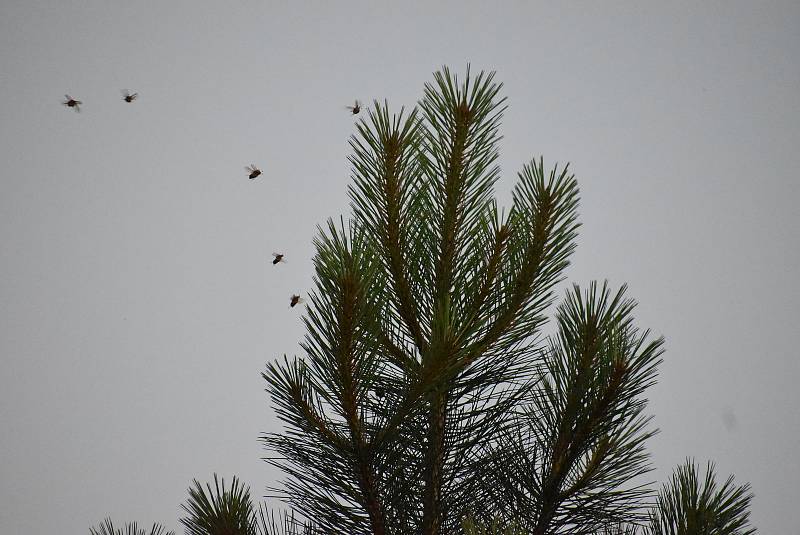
252	170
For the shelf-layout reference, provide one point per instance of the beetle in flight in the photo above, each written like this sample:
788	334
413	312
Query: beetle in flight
295	299
355	108
72	103
253	170
127	96
278	258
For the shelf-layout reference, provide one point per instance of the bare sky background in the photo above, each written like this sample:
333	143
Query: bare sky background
138	302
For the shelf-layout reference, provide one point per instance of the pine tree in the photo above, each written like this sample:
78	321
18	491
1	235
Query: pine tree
430	399
428	393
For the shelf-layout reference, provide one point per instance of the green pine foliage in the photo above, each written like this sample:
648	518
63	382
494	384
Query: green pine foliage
690	504
470	527
428	392
107	528
429	400
219	511
422	327
581	437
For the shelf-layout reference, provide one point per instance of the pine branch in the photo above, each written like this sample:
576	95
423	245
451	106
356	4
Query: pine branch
386	172
688	505
494	528
107	528
285	524
543	224
296	404
341	369
582	438
219	511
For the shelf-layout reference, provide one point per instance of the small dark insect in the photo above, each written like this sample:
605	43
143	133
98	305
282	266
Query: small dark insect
379	392
278	258
127	96
355	108
295	299
253	170
72	103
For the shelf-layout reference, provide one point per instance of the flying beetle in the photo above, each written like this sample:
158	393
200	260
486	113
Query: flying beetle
127	96
72	103
253	171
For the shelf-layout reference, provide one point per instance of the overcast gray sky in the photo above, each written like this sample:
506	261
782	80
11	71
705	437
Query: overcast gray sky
138	302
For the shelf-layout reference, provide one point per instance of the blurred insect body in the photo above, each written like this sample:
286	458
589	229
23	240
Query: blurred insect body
295	299
355	108
72	103
278	257
127	96
253	170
